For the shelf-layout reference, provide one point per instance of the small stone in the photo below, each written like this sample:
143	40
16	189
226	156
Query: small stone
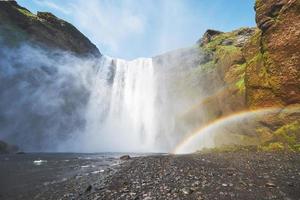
290	184
224	184
186	191
89	188
270	185
196	183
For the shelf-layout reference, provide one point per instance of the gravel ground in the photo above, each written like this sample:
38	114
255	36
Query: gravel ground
234	175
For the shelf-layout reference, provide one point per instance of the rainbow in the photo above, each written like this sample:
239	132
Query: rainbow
206	99
191	142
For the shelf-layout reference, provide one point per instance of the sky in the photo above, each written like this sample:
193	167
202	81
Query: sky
130	29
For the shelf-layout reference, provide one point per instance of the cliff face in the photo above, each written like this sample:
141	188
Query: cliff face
260	68
273	55
273	71
17	24
266	59
226	61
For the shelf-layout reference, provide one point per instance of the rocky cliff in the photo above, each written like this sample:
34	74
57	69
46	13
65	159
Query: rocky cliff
273	71
273	55
260	67
17	24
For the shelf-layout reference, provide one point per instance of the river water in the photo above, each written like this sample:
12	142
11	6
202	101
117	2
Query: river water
33	175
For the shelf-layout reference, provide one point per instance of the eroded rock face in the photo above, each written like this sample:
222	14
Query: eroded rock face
17	24
273	55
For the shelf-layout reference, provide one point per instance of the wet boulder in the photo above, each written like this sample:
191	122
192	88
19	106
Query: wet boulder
125	157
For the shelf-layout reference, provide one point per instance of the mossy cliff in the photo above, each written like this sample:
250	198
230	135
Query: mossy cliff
17	25
226	59
260	68
273	55
273	72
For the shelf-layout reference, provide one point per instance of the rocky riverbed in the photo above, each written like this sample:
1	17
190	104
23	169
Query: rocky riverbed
228	175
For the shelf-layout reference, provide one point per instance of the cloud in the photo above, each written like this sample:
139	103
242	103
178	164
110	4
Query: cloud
134	28
130	28
108	23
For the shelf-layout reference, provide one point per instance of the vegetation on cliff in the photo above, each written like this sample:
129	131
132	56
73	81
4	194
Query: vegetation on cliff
260	68
273	76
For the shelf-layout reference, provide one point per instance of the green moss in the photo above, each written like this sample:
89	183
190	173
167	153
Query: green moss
217	40
229	148
286	137
241	67
223	51
240	84
275	146
264	134
297	147
208	66
26	12
289	134
256	60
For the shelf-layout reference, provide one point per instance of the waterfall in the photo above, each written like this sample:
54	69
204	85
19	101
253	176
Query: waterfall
53	101
121	114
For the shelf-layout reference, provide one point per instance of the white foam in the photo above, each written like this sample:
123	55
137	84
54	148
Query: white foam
39	162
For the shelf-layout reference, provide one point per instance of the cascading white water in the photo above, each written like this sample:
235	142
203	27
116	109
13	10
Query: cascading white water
122	112
66	103
136	105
